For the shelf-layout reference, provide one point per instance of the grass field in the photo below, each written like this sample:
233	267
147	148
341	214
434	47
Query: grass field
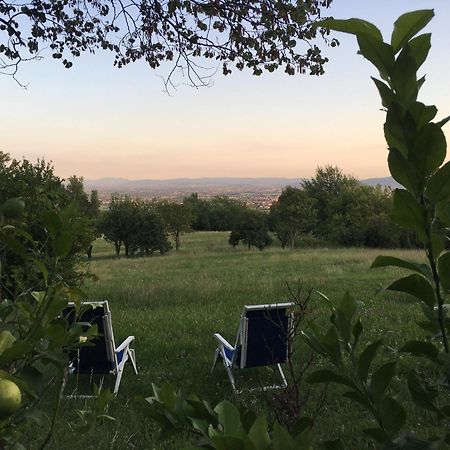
173	304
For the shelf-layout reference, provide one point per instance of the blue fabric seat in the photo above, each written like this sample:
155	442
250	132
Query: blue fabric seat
103	357
262	340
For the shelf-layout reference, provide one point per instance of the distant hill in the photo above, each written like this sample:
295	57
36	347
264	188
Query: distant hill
386	181
205	184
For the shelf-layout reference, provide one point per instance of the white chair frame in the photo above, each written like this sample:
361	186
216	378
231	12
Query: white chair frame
124	349
241	342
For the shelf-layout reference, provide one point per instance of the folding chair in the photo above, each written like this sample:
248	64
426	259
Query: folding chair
103	357
262	340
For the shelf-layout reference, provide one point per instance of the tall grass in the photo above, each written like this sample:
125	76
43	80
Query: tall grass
173	304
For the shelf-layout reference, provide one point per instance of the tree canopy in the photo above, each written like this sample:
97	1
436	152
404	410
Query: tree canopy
257	35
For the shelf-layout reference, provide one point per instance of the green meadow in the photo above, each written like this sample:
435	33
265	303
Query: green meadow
173	304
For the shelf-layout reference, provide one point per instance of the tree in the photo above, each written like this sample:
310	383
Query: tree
42	191
253	34
292	213
252	230
177	218
135	225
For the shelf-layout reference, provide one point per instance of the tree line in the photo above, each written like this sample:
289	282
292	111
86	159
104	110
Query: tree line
331	208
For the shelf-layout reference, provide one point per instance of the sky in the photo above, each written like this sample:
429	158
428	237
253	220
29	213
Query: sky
96	121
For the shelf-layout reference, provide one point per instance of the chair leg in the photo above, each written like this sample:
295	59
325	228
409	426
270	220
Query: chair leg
118	378
133	360
216	357
230	375
282	375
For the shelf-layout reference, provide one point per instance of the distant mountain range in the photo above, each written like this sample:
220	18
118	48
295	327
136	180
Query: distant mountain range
120	185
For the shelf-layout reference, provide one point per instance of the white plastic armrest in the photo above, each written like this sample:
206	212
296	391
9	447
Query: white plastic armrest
125	344
223	341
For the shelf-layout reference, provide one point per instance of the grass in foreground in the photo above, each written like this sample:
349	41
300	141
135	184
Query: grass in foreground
173	304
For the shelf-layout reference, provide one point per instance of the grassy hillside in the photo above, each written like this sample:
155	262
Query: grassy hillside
173	304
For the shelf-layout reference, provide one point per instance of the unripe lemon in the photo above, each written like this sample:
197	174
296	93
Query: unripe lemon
10	398
13	208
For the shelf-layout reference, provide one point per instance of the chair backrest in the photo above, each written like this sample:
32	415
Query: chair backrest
101	357
263	334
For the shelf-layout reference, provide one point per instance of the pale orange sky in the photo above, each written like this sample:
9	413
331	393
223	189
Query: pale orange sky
96	121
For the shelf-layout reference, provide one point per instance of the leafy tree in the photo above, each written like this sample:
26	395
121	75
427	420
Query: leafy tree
293	213
417	152
35	338
41	190
253	34
149	232
135	225
177	218
252	230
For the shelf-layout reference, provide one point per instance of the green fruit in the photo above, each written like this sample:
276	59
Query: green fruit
10	398
13	208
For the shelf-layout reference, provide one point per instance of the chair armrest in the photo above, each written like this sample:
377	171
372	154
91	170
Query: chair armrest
125	344
223	341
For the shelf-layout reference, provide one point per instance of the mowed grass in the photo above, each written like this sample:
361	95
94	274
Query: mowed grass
173	304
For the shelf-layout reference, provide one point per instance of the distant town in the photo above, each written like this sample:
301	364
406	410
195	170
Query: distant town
256	192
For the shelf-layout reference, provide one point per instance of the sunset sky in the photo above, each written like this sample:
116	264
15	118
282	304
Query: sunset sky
98	121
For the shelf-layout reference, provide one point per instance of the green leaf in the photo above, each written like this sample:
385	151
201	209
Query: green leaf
366	358
281	440
333	445
430	148
438	188
386	94
404	76
258	433
420	47
18	350
63	244
409	213
393	416
420	348
41	266
416	286
422	114
229	418
356	332
304	440
228	443
377	434
385	261
356	396
352	26
330	342
404	172
327	376
443	212
421	394
343	315
444	271
399	128
13	244
378	53
381	380
6	340
408	25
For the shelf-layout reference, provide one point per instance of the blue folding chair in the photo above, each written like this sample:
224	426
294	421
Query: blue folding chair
103	357
262	340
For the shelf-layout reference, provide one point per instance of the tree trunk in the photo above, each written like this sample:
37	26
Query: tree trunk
177	240
117	245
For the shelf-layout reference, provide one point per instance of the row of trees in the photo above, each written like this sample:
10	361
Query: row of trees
331	207
340	209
